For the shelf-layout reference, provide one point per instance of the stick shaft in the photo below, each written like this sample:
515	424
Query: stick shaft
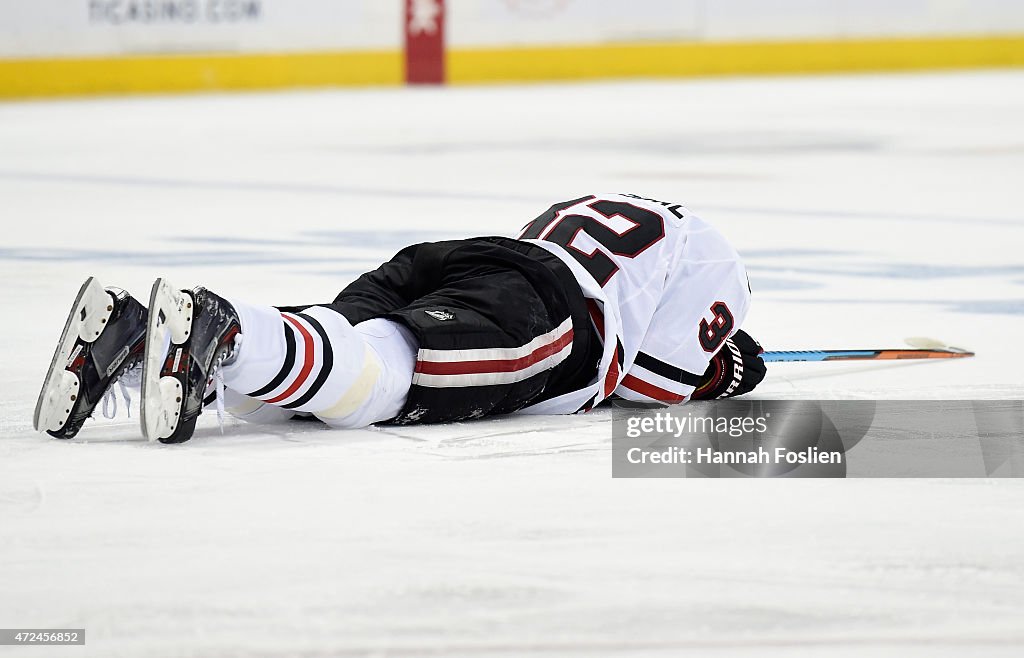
862	355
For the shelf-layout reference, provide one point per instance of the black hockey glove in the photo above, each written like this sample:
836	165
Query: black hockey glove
736	369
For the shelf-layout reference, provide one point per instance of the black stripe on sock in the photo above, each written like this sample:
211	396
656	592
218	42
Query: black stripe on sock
668	371
325	367
289	363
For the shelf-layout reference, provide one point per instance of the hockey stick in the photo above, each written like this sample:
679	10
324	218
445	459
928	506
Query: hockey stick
924	348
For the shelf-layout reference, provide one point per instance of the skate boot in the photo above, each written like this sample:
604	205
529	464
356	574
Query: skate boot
190	335
103	341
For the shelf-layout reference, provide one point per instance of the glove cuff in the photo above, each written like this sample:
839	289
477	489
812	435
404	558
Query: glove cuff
723	376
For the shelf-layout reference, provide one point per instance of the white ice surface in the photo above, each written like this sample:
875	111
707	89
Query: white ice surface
868	208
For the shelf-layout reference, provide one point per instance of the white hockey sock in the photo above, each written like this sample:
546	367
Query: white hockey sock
391	348
316	362
252	410
258	359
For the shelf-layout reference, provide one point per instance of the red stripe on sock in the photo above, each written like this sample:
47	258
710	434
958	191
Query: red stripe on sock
307	366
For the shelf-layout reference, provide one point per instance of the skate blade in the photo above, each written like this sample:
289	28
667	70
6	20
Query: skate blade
168	327
86	320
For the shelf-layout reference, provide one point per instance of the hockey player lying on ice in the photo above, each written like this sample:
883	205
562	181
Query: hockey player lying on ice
602	295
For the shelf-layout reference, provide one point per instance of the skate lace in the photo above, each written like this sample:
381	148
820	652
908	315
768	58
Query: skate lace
217	377
129	377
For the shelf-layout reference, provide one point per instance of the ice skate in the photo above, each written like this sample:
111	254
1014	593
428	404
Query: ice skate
103	341
190	335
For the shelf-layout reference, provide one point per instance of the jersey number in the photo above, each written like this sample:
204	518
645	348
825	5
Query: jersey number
647	227
713	333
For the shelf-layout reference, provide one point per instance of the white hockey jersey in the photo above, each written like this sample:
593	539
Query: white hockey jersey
663	287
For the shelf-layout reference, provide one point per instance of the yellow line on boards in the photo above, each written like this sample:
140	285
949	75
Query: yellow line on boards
696	59
42	77
173	73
